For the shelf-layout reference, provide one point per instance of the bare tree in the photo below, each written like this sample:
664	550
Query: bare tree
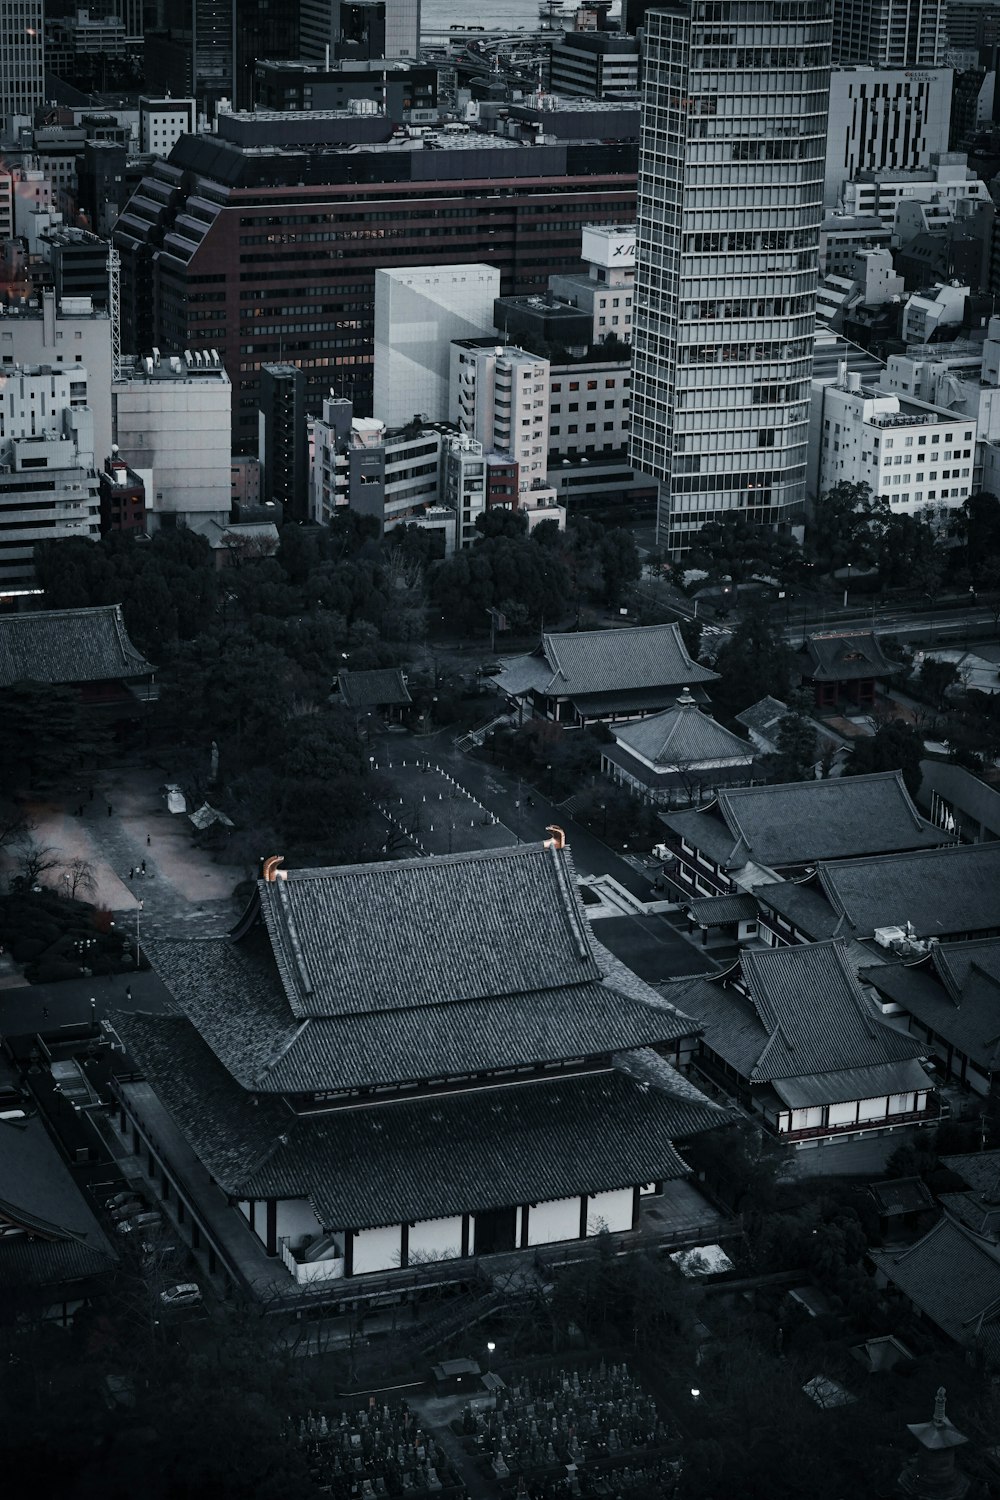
14	826
35	860
80	878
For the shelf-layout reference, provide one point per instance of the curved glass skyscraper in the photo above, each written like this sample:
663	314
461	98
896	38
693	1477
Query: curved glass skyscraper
730	201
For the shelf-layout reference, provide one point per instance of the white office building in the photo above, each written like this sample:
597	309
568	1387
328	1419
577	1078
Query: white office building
500	397
729	209
890	33
919	458
67	332
606	289
162	122
173	416
418	312
48	486
881	118
948	178
962	377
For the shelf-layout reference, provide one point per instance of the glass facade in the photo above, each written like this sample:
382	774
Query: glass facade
730	201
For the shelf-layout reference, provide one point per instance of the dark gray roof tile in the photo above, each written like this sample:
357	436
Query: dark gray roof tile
681	736
615	661
68	645
953	1277
802	822
383	687
833	657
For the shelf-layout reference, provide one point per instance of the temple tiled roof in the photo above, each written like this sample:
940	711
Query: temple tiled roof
764	716
64	1240
682	735
803	1014
430	931
595	662
718	911
955	991
802	822
67	646
383	687
953	1277
242	1013
844	658
425	1157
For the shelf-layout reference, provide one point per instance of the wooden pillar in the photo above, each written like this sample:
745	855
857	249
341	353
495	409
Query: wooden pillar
584	1201
404	1246
272	1227
465	1236
525	1211
348	1252
636	1200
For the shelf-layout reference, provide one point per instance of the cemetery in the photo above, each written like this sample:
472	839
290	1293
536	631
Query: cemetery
376	1450
581	1431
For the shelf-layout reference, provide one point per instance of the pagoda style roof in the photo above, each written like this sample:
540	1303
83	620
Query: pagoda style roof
681	736
940	892
953	1277
383	687
62	1240
67	646
433	931
425	1157
954	990
241	1011
802	822
799	1012
833	657
590	664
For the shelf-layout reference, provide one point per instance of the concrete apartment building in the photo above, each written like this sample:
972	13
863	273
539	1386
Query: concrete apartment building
960	377
173	419
948	179
606	287
884	119
162	122
269	251
841	236
729	209
919	458
68	332
500	397
48	487
889	33
418	312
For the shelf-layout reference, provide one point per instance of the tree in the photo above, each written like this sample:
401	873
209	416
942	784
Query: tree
848	526
895	746
796	740
740	549
80	879
936	677
912	554
620	567
48	736
753	663
977	526
35	860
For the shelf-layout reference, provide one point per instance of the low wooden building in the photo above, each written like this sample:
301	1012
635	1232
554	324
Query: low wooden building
589	676
423	1060
679	756
793	1035
952	1278
844	669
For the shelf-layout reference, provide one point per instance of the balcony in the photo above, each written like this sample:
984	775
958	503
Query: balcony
936	1110
307	1273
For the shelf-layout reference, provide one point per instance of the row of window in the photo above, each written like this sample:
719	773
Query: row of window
591	406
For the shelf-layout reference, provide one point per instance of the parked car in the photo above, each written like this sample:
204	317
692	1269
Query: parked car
492	668
185	1294
129	1195
138	1221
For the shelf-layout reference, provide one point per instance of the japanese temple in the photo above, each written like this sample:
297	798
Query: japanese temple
844	670
589	676
793	1035
87	649
416	1060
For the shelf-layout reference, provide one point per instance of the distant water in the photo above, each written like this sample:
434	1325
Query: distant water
494	15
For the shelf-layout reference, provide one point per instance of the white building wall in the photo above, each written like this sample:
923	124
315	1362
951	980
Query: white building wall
162	122
436	1239
882	117
180	426
558	1219
610	1211
418	312
377	1249
948	179
295	1219
71	335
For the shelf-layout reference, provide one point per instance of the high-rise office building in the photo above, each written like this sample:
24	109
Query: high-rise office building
22	65
890	33
361	29
282	438
727	252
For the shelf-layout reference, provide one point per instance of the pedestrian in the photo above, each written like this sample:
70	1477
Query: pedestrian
128	993
131	873
109	809
142	867
149	841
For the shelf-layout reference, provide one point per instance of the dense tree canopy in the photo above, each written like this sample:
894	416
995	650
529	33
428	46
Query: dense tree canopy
754	662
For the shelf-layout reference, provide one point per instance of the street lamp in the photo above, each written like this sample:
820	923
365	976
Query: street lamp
847	584
695	1393
548	778
604	819
489	1356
